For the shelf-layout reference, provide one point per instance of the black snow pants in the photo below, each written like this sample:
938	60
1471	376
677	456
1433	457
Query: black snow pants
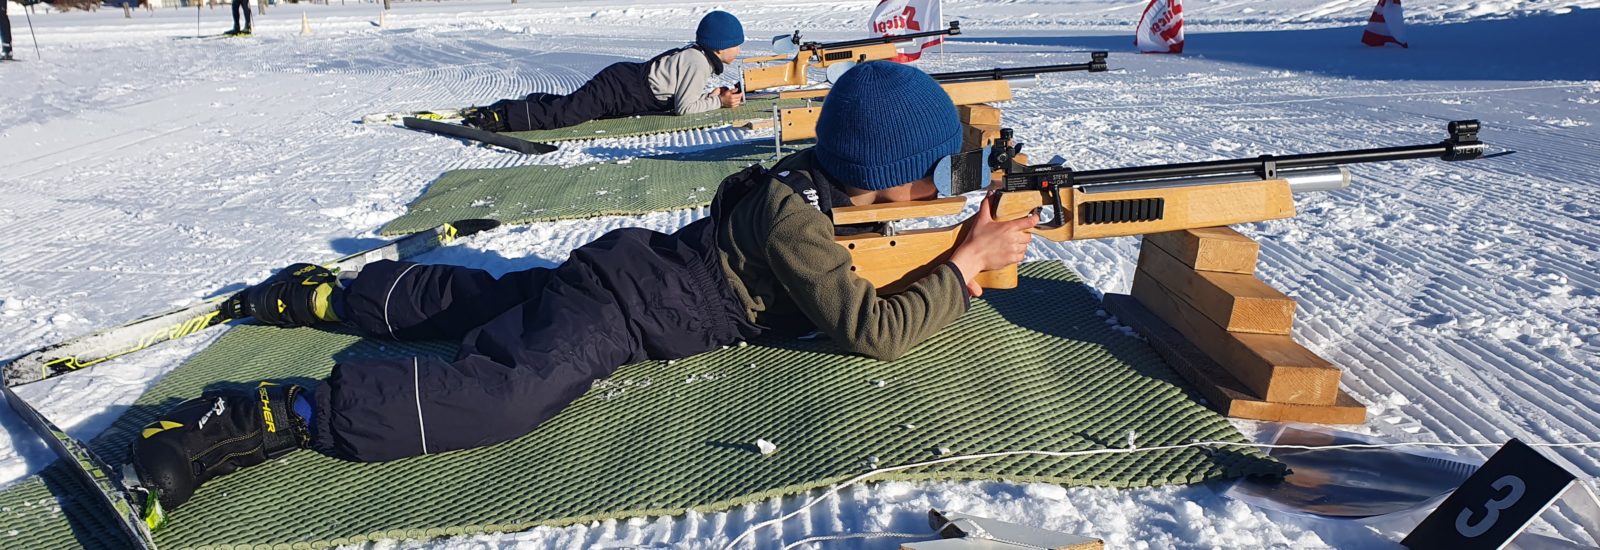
244	6
621	89
531	341
5	28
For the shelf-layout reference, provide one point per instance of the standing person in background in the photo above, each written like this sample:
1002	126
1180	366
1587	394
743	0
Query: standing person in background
238	6
5	33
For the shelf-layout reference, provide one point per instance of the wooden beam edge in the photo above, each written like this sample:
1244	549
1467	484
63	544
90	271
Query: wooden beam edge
1223	392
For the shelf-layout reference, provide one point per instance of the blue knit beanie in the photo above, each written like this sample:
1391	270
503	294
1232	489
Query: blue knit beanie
885	124
719	30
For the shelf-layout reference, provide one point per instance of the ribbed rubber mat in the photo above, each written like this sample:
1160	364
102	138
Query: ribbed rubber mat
644	125
1030	368
528	194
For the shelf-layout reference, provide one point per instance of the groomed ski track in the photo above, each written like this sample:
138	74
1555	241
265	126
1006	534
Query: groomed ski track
139	172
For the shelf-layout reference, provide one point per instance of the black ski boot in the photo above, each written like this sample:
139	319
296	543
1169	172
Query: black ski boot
488	119
298	296
220	432
6	55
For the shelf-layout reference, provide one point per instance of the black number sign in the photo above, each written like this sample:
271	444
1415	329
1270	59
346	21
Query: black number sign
1495	504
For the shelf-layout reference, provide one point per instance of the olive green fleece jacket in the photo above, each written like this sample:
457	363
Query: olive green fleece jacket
780	258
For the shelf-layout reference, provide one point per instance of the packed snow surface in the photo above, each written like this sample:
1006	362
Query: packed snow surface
142	169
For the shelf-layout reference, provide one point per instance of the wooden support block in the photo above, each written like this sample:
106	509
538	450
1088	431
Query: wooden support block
979	113
804	94
1222	390
1235	301
961	93
798	123
1273	367
1209	249
978	136
978	91
890	211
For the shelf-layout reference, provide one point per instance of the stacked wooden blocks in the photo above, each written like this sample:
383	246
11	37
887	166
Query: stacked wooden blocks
1195	297
980	125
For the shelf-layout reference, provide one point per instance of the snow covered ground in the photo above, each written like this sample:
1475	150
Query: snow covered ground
141	170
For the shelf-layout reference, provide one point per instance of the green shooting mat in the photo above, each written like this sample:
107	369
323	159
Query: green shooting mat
529	194
1033	368
642	125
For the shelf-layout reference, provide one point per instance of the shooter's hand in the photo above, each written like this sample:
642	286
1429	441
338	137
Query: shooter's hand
989	245
730	97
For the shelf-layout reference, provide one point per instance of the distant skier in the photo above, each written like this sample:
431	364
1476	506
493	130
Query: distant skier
673	82
5	33
240	6
532	341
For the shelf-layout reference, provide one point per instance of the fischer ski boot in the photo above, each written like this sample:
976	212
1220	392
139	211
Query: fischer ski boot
222	431
488	119
300	295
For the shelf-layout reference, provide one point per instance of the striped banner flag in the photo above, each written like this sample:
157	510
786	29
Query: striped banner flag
895	17
1387	25
1160	28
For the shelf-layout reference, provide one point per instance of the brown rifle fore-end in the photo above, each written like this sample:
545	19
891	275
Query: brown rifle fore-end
892	262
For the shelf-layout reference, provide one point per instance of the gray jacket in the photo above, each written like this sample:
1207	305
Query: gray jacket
681	79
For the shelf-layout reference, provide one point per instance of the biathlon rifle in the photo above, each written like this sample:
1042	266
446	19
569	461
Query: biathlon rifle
963	87
963	83
796	56
1093	204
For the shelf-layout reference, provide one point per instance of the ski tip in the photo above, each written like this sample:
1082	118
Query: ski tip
473	225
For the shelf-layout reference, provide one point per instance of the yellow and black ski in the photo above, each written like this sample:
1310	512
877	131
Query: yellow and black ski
396	118
135	513
84	351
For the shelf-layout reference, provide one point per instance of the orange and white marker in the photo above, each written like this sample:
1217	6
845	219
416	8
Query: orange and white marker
1387	25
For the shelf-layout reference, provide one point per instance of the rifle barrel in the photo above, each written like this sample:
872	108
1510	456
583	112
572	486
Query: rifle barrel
1443	150
955	28
1001	73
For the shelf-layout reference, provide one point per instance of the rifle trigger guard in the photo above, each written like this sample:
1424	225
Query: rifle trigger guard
1061	214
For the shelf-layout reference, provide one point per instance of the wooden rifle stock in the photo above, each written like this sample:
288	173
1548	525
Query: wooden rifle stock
891	262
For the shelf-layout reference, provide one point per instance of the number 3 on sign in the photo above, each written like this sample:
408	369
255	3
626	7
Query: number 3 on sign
1495	503
1491	509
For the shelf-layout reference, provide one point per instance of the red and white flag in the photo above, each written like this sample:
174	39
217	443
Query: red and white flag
1160	28
1387	24
896	17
